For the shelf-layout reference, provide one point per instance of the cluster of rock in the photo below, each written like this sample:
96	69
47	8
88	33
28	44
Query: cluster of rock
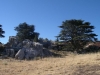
26	49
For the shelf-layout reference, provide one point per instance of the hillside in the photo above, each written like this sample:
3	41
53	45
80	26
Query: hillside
87	64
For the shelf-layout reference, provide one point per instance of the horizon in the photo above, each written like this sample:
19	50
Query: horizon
46	15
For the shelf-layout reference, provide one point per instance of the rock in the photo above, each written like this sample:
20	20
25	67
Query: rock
13	41
29	54
26	49
20	54
19	45
39	49
10	52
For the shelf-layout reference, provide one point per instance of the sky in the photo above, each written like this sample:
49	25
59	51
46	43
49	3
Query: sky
47	15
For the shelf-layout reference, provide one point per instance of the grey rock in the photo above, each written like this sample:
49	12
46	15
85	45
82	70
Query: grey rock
20	54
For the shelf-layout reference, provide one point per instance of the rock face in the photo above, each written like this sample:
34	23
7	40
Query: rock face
26	49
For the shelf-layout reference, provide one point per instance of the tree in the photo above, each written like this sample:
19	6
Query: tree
1	35
77	33
46	42
1	32
26	31
57	39
36	37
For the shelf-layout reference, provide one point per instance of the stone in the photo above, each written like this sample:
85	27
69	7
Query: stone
10	52
25	50
20	54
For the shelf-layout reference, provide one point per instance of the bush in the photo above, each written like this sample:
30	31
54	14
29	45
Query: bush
1	49
92	48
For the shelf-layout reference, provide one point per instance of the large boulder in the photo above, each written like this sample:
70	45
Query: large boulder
29	54
39	49
36	51
20	54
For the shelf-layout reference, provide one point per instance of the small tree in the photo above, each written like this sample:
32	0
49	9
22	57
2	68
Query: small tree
1	36
26	31
1	32
77	32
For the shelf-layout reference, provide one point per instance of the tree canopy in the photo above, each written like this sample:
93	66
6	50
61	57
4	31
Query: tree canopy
26	31
77	32
1	32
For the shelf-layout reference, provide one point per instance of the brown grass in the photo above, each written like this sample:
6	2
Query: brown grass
87	64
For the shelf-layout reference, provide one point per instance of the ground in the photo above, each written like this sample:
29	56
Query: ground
72	64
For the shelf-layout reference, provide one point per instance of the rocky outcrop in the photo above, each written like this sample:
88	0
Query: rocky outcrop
26	49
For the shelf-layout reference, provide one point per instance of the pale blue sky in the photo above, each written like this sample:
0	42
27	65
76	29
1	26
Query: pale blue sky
47	15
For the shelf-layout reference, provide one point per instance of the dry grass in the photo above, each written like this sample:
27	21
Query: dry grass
88	64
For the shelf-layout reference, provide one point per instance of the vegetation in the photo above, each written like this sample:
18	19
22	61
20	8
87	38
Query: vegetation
46	42
74	35
1	32
36	37
1	48
77	33
26	31
1	36
72	64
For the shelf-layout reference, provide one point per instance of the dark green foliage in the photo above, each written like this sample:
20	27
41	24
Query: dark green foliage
77	32
26	31
46	42
2	48
36	37
92	48
1	32
57	38
1	35
68	47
